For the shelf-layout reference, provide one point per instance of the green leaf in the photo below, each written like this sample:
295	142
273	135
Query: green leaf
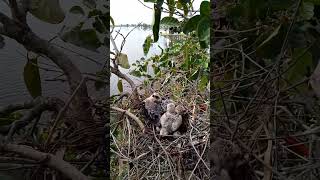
135	73
86	38
48	11
91	4
32	78
94	12
302	64
183	5
203	29
122	60
203	83
205	8
204	44
171	6
169	21
156	24
152	1
272	40
99	84
147	44
2	42
306	10
281	5
272	35
98	25
112	21
315	2
191	24
120	86
77	10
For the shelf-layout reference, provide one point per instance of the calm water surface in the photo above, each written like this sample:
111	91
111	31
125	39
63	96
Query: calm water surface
12	61
133	48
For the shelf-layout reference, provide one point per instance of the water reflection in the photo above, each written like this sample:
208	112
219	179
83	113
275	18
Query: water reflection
133	48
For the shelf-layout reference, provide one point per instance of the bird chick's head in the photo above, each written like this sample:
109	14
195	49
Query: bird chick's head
171	108
156	97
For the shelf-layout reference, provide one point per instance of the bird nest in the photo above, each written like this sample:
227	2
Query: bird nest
149	155
138	154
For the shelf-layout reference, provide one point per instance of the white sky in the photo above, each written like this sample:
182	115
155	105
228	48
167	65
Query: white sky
133	12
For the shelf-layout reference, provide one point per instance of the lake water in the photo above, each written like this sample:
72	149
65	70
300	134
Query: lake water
12	61
133	48
12	58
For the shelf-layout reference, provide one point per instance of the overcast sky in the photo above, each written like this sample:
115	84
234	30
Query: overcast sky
133	12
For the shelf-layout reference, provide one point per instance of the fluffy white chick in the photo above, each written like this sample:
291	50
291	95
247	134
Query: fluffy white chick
170	121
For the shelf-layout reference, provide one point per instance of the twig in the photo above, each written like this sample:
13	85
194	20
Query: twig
138	121
62	112
48	159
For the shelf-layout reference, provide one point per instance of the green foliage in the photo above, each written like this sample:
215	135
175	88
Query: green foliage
77	10
157	18
6	119
48	11
32	77
191	24
265	26
306	11
272	35
85	38
91	4
203	29
185	55
120	86
301	66
98	25
122	60
147	44
205	8
169	21
92	37
200	24
171	6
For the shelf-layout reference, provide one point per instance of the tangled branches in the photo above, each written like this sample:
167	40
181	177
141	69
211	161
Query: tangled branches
260	107
139	155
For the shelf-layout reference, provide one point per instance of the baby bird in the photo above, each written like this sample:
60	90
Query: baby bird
153	109
185	116
170	121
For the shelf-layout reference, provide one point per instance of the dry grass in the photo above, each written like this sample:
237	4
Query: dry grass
139	155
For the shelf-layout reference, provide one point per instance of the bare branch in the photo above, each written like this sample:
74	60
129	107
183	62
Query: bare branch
24	35
50	160
16	13
62	112
138	121
123	76
38	106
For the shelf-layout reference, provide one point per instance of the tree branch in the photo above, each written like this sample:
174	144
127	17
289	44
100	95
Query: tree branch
16	13
138	121
38	106
62	112
50	160
24	35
